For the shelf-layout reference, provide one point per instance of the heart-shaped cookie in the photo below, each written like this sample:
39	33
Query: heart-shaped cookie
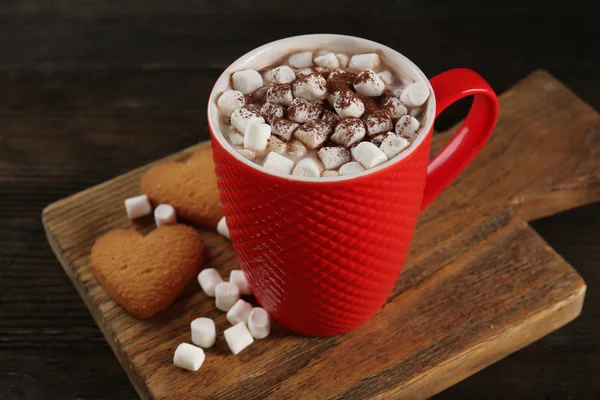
146	274
190	187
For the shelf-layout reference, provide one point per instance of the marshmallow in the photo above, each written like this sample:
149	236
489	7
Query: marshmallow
330	118
278	163
257	136
307	167
301	60
239	312
328	174
407	127
304	72
222	228
297	149
351	168
322	52
349	131
246	81
226	294
368	155
242	117
208	279
378	122
324	72
377	140
392	145
259	94
394	107
236	138
302	110
360	62
310	87
328	60
230	101
313	133
415	112
164	214
369	84
386	77
238	277
238	337
248	154
343	59
282	74
276	145
203	332
345	76
253	107
348	104
188	357
283	128
334	157
259	323
415	94
271	111
280	94
138	206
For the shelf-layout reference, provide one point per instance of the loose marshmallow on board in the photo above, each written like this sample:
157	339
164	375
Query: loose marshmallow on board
284	128
278	164
307	167
137	207
334	157
230	101
301	60
164	214
259	323
328	60
368	155
348	132
222	228
238	337
246	81
407	127
204	332
188	357
239	312
351	168
257	136
415	94
245	116
393	144
208	279
238	277
281	74
361	62
369	84
226	294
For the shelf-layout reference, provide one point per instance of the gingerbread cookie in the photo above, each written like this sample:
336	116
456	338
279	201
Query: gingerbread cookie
146	274
190	187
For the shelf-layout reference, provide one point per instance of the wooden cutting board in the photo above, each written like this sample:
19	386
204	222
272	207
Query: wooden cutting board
478	285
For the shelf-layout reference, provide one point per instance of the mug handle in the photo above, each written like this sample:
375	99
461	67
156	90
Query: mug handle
449	87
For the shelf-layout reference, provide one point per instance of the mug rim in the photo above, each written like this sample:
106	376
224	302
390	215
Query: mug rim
286	46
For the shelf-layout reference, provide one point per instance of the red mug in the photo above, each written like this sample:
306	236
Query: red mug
322	255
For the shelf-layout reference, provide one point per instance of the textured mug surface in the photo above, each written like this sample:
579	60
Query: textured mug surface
323	255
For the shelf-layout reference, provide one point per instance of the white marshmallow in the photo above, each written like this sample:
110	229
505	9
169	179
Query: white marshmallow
369	84
334	157
307	167
238	337
257	136
394	107
415	112
302	110
278	163
310	87
239	312
260	93
276	145
238	277
407	127
378	122
271	111
343	59
351	168
348	104
259	323
368	155
283	128
328	60
208	279
281	74
386	77
164	214
138	206
360	62
226	294
242	117
222	228
377	140
236	138
415	94
330	173
304	72
230	101
330	118
301	60
313	133
204	332
322	52
297	149
280	94
188	357
392	145
246	81
248	154
348	131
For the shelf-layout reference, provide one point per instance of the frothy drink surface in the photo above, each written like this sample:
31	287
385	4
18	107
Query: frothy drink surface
320	114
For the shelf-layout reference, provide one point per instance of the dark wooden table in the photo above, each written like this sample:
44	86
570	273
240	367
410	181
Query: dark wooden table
90	90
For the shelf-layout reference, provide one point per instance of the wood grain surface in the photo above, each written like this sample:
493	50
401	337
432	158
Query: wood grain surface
479	282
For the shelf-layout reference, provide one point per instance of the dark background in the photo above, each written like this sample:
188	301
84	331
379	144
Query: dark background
91	89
